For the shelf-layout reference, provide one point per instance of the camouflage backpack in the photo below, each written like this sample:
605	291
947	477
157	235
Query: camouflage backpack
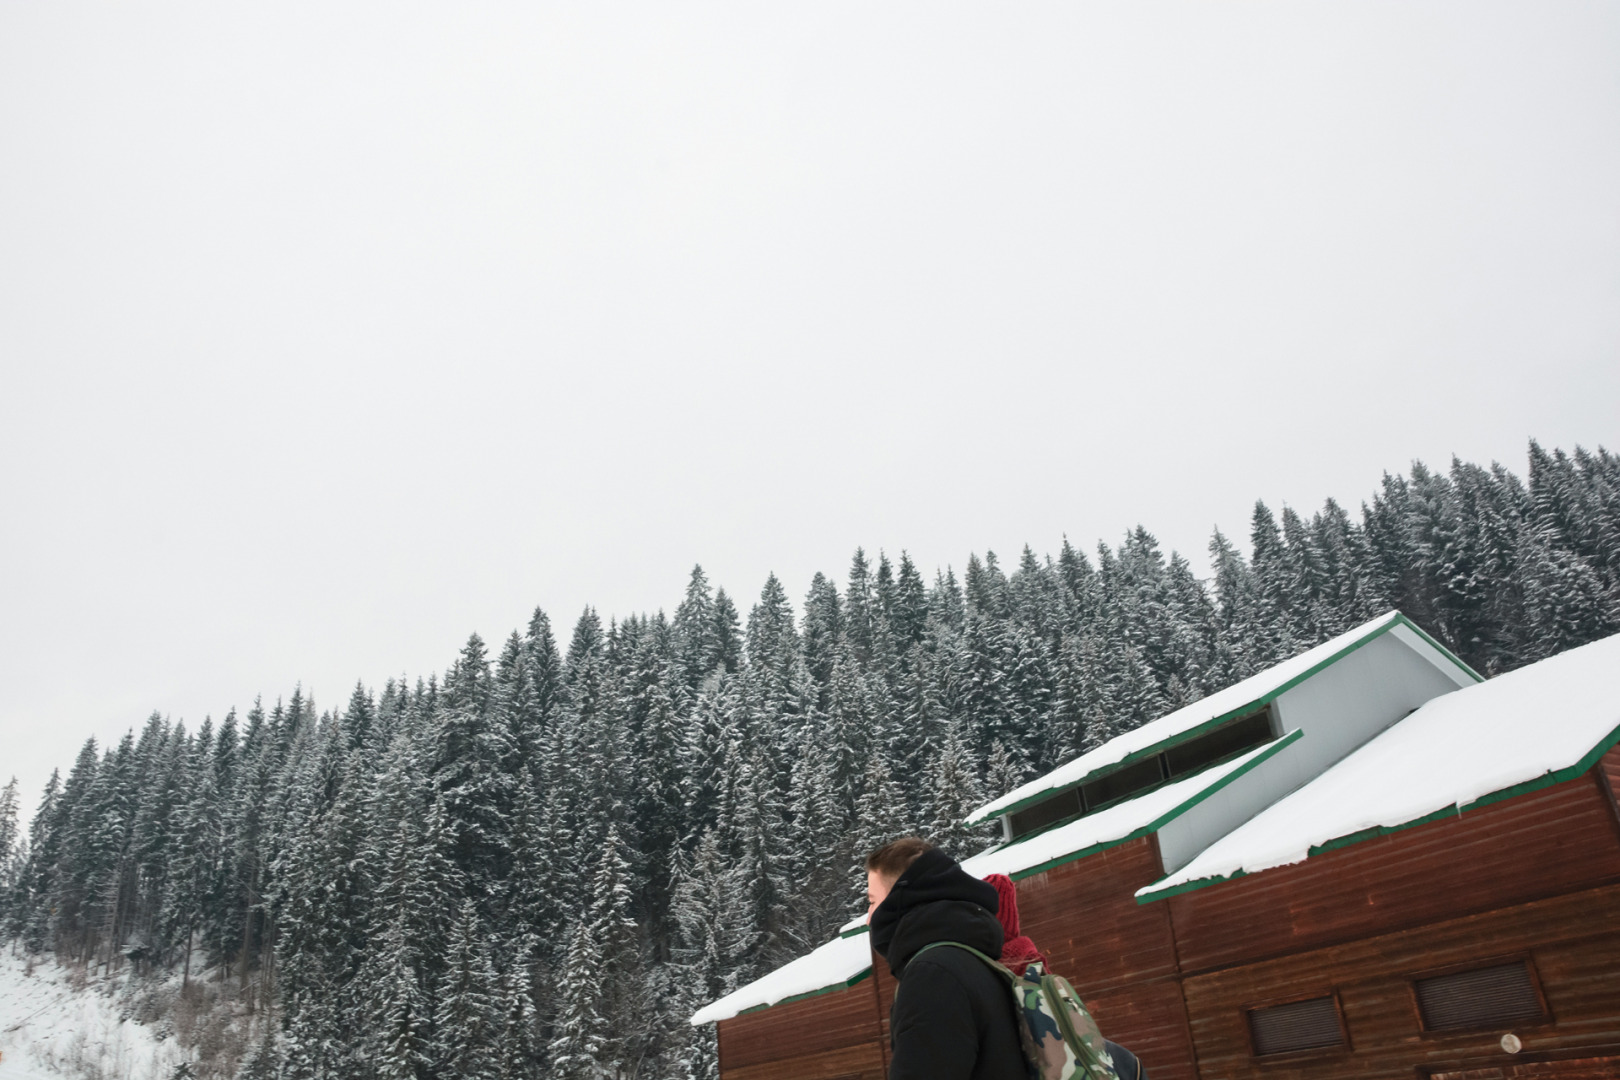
1060	1039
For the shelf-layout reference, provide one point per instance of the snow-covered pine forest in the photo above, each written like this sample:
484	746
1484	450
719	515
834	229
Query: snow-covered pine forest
542	861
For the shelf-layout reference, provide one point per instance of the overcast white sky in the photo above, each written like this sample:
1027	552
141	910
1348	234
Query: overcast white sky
332	333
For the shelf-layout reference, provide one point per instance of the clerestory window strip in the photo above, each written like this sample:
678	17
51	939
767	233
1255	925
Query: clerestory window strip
1127	782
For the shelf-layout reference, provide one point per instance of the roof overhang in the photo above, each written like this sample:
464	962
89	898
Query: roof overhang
1457	753
1231	703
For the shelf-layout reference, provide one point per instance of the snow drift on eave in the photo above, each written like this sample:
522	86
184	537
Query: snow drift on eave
1534	724
1232	700
847	958
1135	817
840	962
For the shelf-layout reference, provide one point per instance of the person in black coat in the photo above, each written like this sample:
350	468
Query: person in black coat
952	1016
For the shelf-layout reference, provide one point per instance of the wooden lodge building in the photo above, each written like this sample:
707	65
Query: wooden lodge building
1363	862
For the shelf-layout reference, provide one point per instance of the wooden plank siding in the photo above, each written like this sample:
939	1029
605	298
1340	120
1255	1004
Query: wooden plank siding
1603	1068
1085	918
1608	775
1557	840
820	1038
860	1062
1119	954
1571	941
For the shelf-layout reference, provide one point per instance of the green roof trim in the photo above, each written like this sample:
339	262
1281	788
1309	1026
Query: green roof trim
1267	752
1252	705
1129	759
1189	886
1439	648
862	975
1545	780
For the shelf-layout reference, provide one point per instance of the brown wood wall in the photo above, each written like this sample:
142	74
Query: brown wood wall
1598	1068
833	1035
1556	840
1119	954
1608	774
1535	876
1572	942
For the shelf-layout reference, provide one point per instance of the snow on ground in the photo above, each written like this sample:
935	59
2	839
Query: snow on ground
54	1025
1517	728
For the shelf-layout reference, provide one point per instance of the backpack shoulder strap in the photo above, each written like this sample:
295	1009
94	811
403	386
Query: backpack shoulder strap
1007	974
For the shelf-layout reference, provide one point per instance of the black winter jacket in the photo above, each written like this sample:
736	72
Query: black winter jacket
952	1016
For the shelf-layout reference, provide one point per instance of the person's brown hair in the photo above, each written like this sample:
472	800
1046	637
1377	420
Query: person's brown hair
892	859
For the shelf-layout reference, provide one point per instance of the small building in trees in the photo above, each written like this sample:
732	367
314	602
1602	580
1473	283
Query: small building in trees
1362	862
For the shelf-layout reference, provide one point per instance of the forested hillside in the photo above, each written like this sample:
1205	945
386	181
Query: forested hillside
540	862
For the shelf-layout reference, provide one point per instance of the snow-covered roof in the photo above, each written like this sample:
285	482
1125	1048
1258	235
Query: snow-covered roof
1529	728
846	960
843	961
1233	701
1123	821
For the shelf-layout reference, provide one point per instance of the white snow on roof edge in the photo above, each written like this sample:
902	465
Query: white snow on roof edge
841	962
1229	700
1449	755
1122	820
844	960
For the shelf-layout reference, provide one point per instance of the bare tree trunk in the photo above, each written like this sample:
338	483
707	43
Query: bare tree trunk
267	958
109	920
247	937
185	974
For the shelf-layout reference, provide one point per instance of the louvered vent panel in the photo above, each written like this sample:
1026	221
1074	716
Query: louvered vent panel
1042	814
1299	1025
1483	997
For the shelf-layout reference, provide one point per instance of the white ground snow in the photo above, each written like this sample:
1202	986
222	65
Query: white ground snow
1232	698
1455	750
50	1030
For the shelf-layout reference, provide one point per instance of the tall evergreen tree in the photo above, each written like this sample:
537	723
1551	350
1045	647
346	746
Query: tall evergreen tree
468	1019
10	856
727	634
955	795
697	630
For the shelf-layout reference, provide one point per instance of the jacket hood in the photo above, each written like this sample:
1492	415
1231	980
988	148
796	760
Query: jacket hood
935	900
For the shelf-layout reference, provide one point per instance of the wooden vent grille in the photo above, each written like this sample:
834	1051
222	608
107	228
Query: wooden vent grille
1299	1025
1484	997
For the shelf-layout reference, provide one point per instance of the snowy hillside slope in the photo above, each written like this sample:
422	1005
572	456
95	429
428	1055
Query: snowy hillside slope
51	1028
